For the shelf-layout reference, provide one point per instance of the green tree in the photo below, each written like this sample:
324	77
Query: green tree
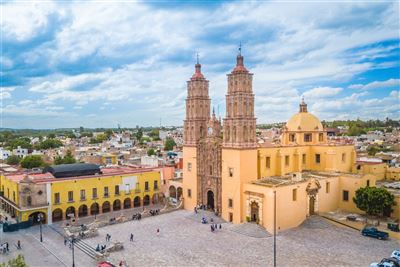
67	159
13	160
151	152
19	261
20	142
51	136
169	144
139	134
108	133
50	143
374	201
32	161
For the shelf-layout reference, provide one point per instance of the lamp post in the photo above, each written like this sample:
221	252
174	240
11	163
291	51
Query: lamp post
274	228
40	220
73	251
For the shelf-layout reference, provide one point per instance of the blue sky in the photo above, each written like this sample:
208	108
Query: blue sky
100	64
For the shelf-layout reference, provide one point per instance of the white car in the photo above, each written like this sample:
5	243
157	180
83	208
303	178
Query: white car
396	254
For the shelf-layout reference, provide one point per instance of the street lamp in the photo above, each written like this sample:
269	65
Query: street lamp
73	251
40	220
274	228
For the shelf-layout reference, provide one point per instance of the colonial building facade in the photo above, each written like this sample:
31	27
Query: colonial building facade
239	178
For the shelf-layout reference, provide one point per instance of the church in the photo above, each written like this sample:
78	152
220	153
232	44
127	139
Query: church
226	169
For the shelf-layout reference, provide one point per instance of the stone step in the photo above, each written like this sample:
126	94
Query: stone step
250	229
85	248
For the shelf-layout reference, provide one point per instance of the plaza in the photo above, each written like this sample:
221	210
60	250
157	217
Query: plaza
183	240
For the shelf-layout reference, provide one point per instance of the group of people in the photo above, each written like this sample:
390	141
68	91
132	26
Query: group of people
215	227
137	216
154	212
100	248
5	247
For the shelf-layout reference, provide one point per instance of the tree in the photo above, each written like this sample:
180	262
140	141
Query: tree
374	201
139	134
169	144
13	160
151	152
51	136
20	142
108	133
19	261
50	143
32	161
67	159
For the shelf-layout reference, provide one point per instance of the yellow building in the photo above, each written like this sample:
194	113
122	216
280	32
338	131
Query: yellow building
305	172
25	196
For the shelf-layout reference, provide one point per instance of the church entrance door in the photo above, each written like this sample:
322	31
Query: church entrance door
312	205
254	211
210	199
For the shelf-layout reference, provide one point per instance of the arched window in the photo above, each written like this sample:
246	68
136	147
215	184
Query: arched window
245	133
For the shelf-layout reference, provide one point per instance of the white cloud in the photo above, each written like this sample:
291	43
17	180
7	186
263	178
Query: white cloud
377	84
322	92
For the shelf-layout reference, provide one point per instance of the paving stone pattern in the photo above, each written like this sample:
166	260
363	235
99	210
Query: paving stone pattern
184	241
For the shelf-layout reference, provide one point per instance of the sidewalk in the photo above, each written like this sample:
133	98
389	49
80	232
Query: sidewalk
358	225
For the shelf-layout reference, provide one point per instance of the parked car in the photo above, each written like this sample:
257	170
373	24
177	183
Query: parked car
386	262
393	227
396	254
373	232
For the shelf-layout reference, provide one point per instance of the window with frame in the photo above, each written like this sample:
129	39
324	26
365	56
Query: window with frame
304	159
56	198
268	162
287	160
230	203
292	137
155	185
146	186
345	195
294	194
106	191
321	137
368	183
328	187
14	196
343	157
83	194
189	166
307	137
189	193
318	158
116	190
70	196
94	192
230	217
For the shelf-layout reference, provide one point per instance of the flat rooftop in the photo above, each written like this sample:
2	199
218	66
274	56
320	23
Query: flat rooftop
48	177
391	186
289	179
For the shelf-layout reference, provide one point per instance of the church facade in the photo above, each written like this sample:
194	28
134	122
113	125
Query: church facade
242	180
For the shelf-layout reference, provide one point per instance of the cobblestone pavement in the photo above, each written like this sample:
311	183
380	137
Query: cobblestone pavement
185	242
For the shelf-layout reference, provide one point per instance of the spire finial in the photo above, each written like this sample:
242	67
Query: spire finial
198	58
303	105
213	111
240	48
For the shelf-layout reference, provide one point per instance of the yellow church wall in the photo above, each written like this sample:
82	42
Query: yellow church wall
242	164
377	169
328	194
351	183
189	177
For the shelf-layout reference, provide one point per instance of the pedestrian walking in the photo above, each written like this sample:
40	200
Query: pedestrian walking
65	241
18	244
7	247
158	231
220	226
131	237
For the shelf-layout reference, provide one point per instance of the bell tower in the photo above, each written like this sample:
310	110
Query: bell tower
195	129
240	123
239	148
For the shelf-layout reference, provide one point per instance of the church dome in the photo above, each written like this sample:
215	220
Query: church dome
304	121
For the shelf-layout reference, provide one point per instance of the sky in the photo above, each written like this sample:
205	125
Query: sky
101	63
